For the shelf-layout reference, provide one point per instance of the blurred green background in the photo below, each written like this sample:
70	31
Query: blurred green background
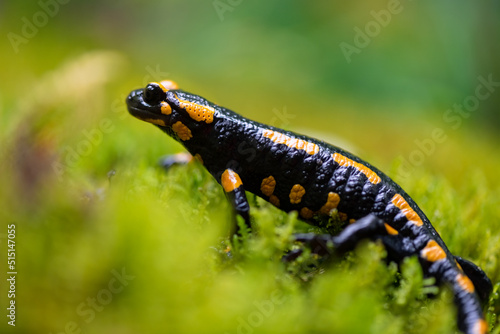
411	86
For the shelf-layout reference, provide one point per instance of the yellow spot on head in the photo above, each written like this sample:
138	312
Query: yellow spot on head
197	112
274	200
465	283
155	121
291	142
230	180
168	85
405	208
352	221
481	327
433	252
161	86
306	213
182	131
165	108
346	162
296	194
331	203
267	186
390	229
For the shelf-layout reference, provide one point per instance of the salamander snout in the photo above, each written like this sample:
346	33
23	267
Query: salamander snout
149	104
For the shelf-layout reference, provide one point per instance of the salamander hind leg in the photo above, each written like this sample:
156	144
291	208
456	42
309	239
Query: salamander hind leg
368	227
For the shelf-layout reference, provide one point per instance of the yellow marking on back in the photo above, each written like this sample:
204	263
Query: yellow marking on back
230	180
197	112
405	208
306	213
274	200
331	203
155	121
182	131
465	283
165	108
291	142
296	194
391	230
267	186
480	327
346	162
433	252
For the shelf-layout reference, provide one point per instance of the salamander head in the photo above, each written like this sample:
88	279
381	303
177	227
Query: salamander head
174	111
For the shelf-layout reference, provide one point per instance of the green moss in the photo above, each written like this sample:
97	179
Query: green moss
169	231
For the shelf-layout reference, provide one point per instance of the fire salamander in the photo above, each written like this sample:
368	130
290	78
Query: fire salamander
295	172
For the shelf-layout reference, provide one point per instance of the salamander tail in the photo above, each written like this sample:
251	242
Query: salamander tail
470	315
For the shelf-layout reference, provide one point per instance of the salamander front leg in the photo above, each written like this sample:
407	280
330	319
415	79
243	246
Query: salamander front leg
231	182
168	161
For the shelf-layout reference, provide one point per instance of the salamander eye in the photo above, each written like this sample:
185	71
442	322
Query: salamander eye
153	93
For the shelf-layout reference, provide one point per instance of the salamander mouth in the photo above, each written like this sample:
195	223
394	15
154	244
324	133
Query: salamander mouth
140	109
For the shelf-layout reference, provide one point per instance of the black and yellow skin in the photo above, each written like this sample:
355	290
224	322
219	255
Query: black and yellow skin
318	180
